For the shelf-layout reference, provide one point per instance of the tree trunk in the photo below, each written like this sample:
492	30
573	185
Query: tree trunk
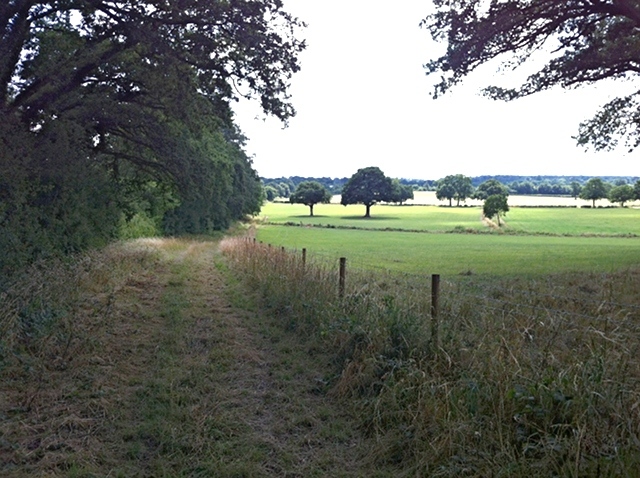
594	203
311	210
450	204
368	213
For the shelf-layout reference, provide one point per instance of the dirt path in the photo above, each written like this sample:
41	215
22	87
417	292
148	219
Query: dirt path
182	377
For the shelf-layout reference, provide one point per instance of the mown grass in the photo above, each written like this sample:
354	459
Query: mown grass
423	218
516	378
578	221
451	254
557	221
147	359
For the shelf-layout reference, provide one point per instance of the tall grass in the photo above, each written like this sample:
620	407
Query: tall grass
42	313
524	378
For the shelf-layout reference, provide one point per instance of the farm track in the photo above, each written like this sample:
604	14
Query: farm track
182	377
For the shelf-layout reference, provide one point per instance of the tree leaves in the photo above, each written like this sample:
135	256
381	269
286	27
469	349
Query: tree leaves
144	90
588	42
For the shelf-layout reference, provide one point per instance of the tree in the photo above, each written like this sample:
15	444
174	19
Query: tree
456	187
593	190
367	186
636	190
491	187
270	193
138	94
310	193
495	206
445	190
525	187
401	192
576	187
621	194
590	41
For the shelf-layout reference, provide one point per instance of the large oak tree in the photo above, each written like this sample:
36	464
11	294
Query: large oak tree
368	186
588	41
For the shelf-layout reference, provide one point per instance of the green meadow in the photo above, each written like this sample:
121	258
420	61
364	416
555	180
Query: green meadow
527	220
422	218
543	240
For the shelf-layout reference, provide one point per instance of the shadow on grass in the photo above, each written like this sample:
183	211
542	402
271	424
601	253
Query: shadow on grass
372	218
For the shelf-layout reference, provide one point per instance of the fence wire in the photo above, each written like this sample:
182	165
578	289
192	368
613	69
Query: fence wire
528	299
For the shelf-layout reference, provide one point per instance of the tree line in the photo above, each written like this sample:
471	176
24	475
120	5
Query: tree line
369	186
115	117
569	186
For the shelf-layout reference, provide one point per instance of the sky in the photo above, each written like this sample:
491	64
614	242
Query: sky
363	99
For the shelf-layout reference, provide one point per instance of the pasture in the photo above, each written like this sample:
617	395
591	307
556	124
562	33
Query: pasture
542	240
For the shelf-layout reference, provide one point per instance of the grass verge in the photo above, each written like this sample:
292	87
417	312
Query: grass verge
524	377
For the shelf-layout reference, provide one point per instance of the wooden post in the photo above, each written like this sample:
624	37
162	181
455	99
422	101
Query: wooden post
341	283
435	296
304	258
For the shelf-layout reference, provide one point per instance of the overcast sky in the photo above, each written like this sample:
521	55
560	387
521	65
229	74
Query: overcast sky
363	99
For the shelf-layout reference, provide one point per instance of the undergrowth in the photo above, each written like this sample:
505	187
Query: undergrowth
525	377
38	312
49	318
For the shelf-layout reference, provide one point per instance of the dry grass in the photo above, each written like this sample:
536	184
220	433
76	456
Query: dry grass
141	360
55	389
526	377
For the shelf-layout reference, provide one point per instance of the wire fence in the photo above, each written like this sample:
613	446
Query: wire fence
540	299
525	363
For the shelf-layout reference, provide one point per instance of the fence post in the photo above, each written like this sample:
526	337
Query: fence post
341	283
304	258
435	297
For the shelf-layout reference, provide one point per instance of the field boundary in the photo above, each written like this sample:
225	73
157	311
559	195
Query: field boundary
339	268
491	228
514	376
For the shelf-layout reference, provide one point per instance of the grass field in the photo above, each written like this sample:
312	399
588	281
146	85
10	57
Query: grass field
544	240
460	253
561	221
423	218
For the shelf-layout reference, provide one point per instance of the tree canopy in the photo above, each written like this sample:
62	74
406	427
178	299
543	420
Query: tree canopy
495	206
401	192
589	41
491	187
593	190
310	193
368	186
136	94
621	194
456	187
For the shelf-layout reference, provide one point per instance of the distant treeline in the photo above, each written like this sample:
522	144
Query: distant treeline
526	185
